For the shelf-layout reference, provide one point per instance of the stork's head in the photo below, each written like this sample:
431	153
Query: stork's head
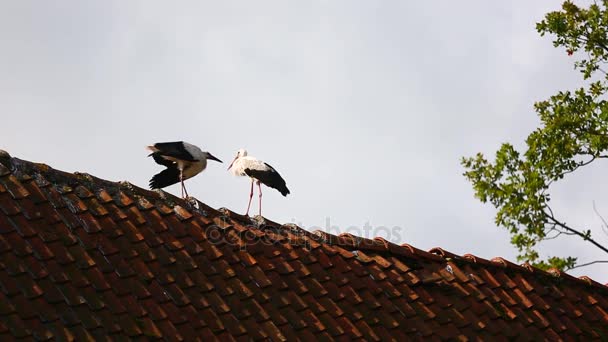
240	153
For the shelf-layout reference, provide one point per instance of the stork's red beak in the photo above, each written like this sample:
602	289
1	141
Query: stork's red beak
212	157
233	160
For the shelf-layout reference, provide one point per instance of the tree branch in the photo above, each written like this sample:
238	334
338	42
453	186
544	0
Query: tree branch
586	40
553	237
581	234
589	263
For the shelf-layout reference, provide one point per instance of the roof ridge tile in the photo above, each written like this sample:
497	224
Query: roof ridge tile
444	253
504	263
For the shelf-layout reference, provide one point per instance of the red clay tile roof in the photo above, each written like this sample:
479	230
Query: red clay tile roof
84	258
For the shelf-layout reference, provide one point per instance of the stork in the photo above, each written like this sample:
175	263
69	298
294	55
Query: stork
183	161
260	173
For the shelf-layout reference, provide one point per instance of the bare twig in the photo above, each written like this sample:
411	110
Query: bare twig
605	225
551	212
552	237
558	232
579	165
589	263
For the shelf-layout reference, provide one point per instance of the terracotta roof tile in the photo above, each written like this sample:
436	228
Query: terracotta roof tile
84	258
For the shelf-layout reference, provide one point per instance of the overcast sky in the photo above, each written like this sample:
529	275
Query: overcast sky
364	107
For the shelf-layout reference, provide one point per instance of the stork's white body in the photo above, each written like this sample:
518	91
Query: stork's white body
248	162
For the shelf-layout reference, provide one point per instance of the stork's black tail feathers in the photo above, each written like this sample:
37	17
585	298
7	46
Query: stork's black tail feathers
281	187
165	178
270	178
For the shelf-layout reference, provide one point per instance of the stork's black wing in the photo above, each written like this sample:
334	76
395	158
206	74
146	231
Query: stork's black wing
158	158
166	177
269	177
175	150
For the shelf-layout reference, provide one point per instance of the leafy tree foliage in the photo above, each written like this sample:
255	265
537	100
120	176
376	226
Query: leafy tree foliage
573	133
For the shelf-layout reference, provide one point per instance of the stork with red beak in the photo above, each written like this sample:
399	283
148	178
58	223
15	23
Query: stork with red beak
260	173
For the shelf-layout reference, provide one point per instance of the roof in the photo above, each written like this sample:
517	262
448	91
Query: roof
85	258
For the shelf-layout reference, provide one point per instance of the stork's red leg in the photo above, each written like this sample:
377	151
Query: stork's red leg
250	197
181	180
260	197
